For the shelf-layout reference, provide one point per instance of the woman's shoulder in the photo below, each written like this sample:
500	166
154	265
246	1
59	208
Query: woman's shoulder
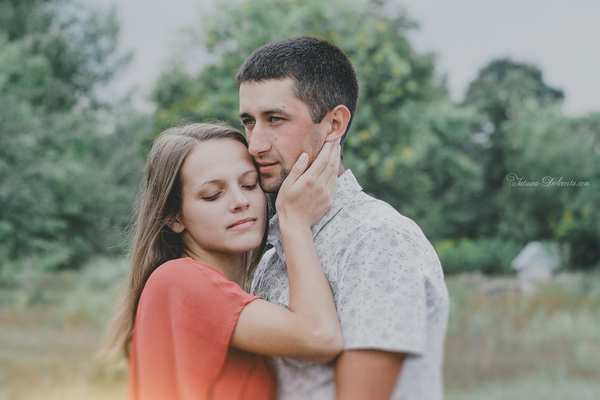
183	272
186	281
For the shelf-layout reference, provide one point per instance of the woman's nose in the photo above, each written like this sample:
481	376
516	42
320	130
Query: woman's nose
240	201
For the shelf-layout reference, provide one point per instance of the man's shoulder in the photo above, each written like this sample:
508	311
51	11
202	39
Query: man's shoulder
366	213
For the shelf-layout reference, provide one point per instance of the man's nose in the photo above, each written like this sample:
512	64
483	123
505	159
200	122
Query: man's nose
258	141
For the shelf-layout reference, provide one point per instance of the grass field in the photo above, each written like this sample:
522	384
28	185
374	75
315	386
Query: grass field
505	340
509	341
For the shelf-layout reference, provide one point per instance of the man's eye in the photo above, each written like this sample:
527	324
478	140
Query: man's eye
247	121
275	119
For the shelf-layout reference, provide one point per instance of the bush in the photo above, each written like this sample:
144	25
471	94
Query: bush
584	248
490	256
94	293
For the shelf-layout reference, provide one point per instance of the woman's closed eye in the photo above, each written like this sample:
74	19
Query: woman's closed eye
212	197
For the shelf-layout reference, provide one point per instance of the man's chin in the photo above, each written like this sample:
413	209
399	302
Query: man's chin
270	188
271	185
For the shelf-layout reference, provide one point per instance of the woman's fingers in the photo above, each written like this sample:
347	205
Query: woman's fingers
297	170
306	194
319	165
324	167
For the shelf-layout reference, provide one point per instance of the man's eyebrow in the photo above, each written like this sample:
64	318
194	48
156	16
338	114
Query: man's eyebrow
266	112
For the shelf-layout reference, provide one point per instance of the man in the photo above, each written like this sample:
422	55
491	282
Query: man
387	282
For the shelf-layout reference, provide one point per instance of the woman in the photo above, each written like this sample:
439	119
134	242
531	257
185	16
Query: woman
185	323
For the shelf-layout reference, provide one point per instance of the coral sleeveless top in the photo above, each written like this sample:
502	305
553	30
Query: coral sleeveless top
180	348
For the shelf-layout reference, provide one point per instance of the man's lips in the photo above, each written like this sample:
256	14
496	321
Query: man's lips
242	224
264	167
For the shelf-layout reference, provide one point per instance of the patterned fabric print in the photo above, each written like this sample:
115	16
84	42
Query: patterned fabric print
388	286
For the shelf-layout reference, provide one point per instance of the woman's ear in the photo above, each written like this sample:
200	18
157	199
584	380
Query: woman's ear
176	225
339	120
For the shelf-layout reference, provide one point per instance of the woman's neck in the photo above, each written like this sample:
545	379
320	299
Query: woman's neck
233	266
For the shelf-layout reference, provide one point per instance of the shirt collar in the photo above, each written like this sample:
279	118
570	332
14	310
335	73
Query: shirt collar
347	188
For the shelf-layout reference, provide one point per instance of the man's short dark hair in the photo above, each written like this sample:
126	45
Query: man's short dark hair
323	75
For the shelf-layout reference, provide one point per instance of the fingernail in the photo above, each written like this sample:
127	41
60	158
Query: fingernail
303	157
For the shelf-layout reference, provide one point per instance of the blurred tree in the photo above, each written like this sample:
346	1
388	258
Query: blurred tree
578	227
70	50
536	160
62	193
503	85
425	171
545	153
550	191
500	90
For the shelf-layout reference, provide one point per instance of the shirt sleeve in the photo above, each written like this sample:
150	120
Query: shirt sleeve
381	295
184	324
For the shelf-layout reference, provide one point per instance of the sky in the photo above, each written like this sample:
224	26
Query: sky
562	37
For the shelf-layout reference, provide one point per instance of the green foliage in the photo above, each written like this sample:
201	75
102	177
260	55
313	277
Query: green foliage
425	169
64	50
65	187
503	85
552	167
501	89
64	183
490	256
578	225
540	167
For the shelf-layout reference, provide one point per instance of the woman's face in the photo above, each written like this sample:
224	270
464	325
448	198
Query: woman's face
223	208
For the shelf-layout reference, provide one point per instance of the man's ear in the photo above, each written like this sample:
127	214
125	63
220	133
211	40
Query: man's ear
176	225
339	119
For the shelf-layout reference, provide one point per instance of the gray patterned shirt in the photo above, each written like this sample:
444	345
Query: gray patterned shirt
388	287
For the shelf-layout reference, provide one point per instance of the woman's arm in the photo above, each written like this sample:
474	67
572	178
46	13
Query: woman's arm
309	328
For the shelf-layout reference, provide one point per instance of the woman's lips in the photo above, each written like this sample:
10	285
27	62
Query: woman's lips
242	224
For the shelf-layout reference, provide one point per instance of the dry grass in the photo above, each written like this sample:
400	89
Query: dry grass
529	389
502	343
41	358
51	333
548	333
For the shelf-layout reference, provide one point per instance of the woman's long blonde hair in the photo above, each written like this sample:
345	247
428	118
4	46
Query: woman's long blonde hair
158	205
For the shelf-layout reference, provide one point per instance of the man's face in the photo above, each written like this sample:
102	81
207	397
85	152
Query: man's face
279	128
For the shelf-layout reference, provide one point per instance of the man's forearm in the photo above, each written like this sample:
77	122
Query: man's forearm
367	374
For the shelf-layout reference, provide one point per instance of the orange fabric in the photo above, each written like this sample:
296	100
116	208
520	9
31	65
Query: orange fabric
180	349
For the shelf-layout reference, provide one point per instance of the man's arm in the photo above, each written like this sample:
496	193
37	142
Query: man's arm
367	374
